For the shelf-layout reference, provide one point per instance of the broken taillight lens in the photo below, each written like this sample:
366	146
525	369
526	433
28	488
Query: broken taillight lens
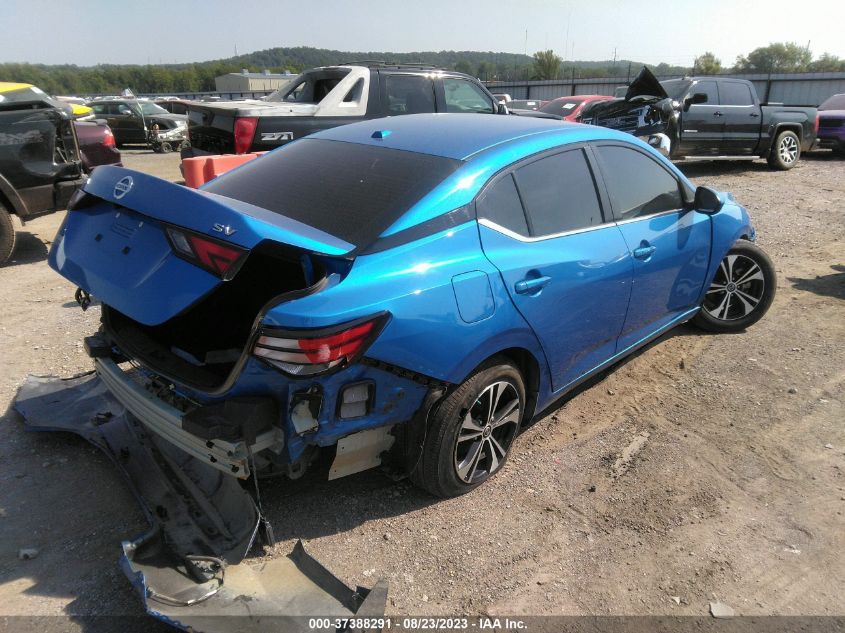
108	138
219	258
309	352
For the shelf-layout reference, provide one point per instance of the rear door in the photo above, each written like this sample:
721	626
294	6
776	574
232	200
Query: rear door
407	94
703	124
741	116
565	265
669	243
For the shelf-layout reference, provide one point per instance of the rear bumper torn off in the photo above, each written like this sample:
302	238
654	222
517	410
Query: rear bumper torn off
166	421
189	567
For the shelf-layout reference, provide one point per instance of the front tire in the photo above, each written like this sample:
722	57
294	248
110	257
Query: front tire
785	152
7	235
471	432
741	291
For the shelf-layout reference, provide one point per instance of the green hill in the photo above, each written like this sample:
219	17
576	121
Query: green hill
199	76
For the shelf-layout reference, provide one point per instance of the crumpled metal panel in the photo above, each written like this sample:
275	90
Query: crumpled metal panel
189	566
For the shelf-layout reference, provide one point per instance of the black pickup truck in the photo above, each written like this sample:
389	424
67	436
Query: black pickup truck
40	161
326	97
713	117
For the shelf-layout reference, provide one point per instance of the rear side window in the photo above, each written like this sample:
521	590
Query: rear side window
637	185
409	94
501	204
351	191
559	193
735	93
465	96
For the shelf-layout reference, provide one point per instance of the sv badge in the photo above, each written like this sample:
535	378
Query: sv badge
225	229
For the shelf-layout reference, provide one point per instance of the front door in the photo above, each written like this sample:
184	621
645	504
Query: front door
703	124
669	242
567	270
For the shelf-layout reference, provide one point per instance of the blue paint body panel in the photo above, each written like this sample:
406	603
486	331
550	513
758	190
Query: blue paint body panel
449	291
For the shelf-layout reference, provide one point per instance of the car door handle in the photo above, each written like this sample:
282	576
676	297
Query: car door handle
754	114
644	252
528	286
717	113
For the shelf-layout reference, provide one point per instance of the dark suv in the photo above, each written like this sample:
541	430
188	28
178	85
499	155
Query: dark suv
131	119
327	97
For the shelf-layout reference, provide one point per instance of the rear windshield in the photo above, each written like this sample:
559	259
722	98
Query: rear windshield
836	102
353	192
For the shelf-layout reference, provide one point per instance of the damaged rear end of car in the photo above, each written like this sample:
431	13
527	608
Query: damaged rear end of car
206	373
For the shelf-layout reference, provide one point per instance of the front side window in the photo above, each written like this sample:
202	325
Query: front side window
500	203
410	94
559	194
465	96
638	186
735	93
710	89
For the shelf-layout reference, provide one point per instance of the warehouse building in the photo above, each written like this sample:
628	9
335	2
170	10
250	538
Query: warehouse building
246	81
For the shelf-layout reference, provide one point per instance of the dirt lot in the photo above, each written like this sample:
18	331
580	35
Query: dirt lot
705	467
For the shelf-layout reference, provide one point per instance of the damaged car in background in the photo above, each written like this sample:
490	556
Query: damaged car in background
711	117
46	148
390	292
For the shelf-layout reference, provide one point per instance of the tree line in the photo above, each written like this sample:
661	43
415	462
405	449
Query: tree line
779	57
488	66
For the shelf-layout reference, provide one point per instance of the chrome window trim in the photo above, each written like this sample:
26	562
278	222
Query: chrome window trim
539	238
651	216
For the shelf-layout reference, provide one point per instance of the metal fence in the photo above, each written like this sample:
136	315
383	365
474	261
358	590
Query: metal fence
199	96
807	89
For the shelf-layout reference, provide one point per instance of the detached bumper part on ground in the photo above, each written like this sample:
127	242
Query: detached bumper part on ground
188	567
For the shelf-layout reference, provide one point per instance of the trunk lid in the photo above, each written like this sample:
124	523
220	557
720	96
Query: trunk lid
113	244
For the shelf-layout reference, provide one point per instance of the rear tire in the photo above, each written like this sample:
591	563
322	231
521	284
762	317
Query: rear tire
785	152
472	430
7	235
741	291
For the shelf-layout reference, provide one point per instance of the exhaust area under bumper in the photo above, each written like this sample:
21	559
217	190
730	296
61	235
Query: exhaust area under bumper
189	567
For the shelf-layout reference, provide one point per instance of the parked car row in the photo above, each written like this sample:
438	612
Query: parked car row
136	121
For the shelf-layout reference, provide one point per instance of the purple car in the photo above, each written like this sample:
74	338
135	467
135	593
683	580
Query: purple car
832	124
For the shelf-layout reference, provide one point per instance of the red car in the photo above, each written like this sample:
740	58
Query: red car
570	107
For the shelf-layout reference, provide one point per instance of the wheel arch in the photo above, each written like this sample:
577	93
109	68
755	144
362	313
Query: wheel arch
10	198
531	369
790	127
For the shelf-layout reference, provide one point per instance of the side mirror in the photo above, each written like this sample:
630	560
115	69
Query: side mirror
698	97
707	200
501	108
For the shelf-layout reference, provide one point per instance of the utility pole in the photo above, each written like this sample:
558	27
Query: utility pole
526	43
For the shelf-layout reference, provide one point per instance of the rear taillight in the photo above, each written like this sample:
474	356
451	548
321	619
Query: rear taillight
219	258
108	139
817	123
244	133
309	352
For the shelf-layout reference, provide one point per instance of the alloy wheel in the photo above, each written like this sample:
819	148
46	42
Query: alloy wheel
737	289
487	431
788	149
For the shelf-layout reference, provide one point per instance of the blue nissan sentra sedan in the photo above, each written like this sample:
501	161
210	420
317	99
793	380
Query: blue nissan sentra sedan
406	291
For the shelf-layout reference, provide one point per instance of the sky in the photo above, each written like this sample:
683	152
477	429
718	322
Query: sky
89	32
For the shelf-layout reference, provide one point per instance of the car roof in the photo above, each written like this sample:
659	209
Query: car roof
462	136
8	86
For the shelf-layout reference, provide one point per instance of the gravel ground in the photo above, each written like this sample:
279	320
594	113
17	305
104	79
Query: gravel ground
703	468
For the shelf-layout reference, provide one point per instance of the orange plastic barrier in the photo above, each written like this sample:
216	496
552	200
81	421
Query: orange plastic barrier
201	169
